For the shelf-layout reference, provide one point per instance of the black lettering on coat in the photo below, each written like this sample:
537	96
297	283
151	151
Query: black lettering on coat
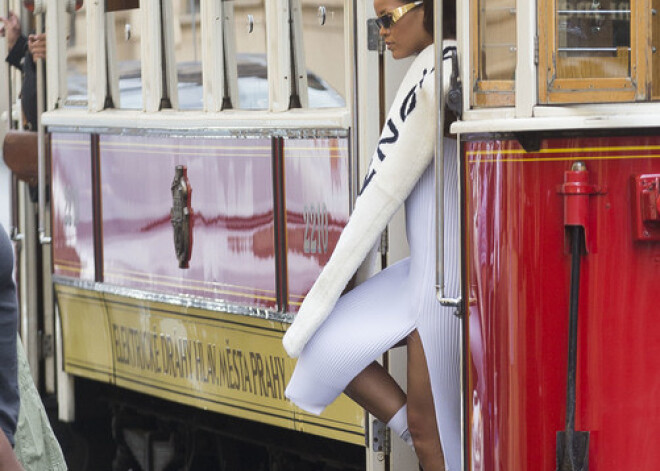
388	140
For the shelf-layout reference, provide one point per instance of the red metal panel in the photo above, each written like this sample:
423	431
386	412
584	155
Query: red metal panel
518	323
73	230
232	203
317	208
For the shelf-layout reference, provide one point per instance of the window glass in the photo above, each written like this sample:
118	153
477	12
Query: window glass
324	54
593	39
76	59
188	54
192	6
124	56
497	39
246	63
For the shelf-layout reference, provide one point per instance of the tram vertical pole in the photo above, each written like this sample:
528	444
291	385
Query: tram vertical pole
438	36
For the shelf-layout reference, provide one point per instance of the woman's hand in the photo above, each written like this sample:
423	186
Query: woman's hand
37	45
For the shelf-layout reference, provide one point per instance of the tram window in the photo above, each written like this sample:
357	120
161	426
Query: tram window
589	51
188	53
245	54
319	51
495	52
124	58
593	39
192	7
76	60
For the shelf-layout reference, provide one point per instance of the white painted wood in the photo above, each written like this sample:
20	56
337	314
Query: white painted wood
608	116
230	64
55	64
526	79
171	77
111	65
151	58
230	120
66	400
300	76
213	77
278	52
463	49
96	56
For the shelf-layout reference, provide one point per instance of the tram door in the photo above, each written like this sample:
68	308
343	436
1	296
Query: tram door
386	452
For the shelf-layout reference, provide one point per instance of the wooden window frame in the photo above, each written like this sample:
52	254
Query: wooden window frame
486	93
554	90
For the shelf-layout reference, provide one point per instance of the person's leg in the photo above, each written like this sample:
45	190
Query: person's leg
421	410
375	390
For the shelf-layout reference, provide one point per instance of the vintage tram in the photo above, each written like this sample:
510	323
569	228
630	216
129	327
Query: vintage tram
560	180
198	162
204	156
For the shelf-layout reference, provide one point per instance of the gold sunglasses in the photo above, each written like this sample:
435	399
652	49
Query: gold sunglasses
386	20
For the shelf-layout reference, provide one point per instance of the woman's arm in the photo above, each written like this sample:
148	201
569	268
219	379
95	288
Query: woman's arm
404	151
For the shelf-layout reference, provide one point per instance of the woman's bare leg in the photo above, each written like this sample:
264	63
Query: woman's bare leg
421	410
375	390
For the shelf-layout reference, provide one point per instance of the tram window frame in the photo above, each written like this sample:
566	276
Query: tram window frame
553	90
487	93
103	89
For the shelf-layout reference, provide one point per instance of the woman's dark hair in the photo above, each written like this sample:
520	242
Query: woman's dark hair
448	17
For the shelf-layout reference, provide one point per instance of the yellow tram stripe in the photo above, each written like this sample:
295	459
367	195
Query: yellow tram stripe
201	288
174	144
168	277
177	152
69	263
562	150
568	158
69	269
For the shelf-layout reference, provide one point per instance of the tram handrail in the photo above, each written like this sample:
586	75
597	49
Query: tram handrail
41	158
439	166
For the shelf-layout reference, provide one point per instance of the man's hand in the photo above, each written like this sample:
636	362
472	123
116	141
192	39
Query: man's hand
37	45
11	28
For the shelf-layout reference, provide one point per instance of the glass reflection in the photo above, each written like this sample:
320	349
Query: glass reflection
497	39
593	39
76	59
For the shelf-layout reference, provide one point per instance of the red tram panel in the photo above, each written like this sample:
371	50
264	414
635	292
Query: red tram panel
518	282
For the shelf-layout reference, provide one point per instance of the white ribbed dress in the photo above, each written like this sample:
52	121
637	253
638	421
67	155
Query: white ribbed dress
377	314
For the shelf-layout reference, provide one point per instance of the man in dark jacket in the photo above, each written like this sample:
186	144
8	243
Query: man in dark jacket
22	53
9	393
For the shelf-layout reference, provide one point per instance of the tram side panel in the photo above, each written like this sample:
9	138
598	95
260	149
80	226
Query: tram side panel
232	256
518	279
73	224
201	335
317	208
